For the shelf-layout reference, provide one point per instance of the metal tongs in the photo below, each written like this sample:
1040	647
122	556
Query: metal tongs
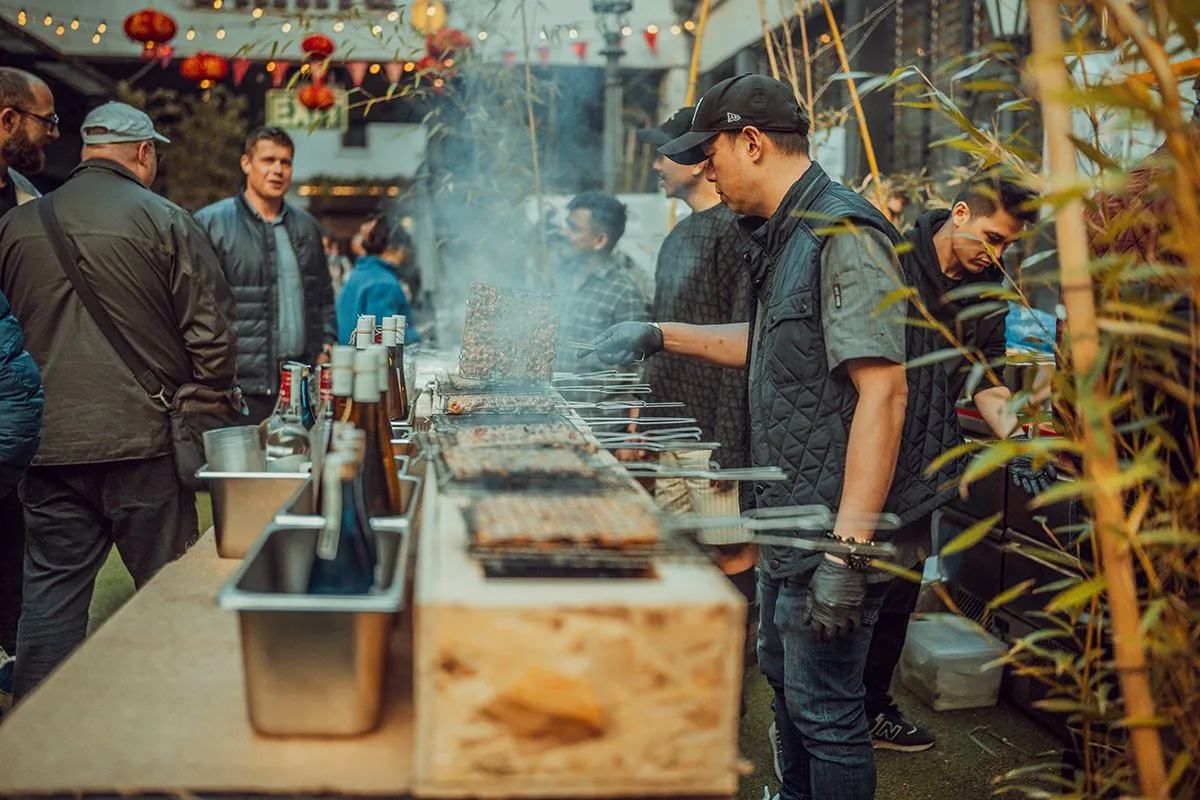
623	405
600	376
797	518
604	388
649	469
660	446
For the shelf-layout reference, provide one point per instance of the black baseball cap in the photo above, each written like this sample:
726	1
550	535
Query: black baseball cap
679	124
744	101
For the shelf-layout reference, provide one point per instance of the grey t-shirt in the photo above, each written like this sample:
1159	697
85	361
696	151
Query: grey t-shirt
289	292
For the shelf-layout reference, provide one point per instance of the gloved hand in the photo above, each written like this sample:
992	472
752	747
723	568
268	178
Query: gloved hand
625	343
835	599
1032	481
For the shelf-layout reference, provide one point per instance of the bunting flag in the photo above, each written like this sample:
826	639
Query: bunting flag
544	55
357	71
319	68
651	38
580	49
394	71
278	74
510	57
164	54
240	67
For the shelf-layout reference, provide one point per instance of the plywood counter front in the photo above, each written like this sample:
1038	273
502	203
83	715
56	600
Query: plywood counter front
154	702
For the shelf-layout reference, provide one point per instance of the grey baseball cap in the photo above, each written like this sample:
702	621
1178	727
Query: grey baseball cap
119	123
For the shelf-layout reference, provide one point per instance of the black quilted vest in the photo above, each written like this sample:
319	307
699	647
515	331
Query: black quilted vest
800	413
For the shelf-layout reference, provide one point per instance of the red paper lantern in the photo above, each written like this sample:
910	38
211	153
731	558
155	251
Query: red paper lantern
318	97
446	41
150	25
317	46
204	66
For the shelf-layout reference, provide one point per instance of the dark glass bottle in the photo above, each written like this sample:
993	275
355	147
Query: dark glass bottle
343	563
365	413
341	380
308	417
393	333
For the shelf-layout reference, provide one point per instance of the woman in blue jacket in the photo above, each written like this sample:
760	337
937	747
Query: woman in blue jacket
374	286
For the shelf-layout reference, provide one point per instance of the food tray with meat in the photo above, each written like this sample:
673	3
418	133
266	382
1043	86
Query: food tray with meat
517	466
497	403
537	434
607	522
508	335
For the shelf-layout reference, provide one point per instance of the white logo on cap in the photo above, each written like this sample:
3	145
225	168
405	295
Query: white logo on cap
732	117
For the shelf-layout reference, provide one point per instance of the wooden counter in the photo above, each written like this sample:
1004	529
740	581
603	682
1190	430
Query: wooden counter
154	702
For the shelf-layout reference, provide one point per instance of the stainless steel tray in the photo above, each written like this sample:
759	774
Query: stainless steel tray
314	665
245	502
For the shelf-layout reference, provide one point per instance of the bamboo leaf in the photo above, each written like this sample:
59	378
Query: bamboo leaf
994	457
1130	328
971	536
958	451
1061	492
1094	154
898	571
968	72
895	296
936	357
1077	596
992	85
1010	594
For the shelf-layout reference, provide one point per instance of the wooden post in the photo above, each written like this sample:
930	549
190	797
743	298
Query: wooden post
1100	455
858	109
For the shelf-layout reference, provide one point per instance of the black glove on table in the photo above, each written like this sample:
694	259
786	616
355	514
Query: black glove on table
1025	477
625	343
835	599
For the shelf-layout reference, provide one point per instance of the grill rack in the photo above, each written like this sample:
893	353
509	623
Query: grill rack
579	560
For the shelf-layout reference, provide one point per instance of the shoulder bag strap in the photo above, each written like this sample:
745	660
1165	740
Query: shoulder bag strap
68	257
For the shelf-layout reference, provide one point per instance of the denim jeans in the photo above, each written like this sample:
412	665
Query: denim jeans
74	515
824	735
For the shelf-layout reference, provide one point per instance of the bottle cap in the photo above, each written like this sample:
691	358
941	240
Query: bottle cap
366	376
364	331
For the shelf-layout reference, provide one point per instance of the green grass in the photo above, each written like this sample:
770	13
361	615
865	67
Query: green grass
955	769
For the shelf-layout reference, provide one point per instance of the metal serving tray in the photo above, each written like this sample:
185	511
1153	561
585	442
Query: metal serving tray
314	665
245	502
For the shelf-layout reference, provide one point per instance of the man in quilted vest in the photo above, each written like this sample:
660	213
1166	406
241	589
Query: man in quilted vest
830	402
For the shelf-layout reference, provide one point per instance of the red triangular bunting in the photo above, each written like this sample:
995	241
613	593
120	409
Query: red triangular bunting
544	55
651	40
394	71
319	69
240	67
164	54
279	73
510	57
357	71
580	49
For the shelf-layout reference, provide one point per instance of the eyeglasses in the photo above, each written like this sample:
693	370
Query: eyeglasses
51	122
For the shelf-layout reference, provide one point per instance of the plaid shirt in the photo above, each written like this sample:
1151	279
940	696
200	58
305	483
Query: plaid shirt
590	301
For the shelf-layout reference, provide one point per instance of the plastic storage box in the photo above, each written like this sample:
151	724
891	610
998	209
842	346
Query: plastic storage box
948	662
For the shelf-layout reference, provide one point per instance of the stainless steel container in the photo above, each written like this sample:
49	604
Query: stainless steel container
244	503
315	665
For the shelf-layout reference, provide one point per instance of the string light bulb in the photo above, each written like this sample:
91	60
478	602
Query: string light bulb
21	18
543	35
339	26
409	66
95	38
48	21
651	29
60	30
257	13
676	29
287	27
205	84
626	31
191	34
75	24
376	30
393	16
270	66
574	34
217	4
483	36
220	33
374	69
102	28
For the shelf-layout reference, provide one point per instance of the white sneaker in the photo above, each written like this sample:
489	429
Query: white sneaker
776	748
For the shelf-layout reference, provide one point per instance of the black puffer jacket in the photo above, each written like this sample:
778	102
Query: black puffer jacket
246	247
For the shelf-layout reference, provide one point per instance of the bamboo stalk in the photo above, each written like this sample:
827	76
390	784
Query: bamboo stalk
858	109
792	73
1100	455
693	77
543	242
802	12
767	42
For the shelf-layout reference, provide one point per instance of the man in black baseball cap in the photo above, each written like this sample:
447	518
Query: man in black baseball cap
830	402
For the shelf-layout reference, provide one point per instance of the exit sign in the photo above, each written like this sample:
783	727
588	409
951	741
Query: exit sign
284	110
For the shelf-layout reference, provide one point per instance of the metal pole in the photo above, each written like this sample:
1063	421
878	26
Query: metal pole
613	110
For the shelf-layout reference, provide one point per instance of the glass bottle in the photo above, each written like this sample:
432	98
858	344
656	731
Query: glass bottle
288	447
343	563
393	335
341	380
324	391
364	414
388	450
308	417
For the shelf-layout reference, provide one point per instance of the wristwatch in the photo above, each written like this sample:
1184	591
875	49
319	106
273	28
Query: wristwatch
852	559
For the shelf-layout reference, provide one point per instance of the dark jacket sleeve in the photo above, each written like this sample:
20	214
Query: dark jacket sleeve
204	305
21	402
319	268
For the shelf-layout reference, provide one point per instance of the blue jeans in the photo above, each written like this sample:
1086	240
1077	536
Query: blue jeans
823	730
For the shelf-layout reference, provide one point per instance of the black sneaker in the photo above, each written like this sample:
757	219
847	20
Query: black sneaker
890	731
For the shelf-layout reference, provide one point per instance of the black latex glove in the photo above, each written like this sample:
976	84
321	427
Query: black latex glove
1032	481
835	599
625	343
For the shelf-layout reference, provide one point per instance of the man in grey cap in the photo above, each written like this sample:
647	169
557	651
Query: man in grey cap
105	473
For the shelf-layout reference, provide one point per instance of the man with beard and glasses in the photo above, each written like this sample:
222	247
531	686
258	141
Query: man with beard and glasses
27	125
700	278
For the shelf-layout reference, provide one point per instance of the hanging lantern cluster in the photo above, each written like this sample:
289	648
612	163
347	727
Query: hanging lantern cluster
446	42
153	29
204	66
316	96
